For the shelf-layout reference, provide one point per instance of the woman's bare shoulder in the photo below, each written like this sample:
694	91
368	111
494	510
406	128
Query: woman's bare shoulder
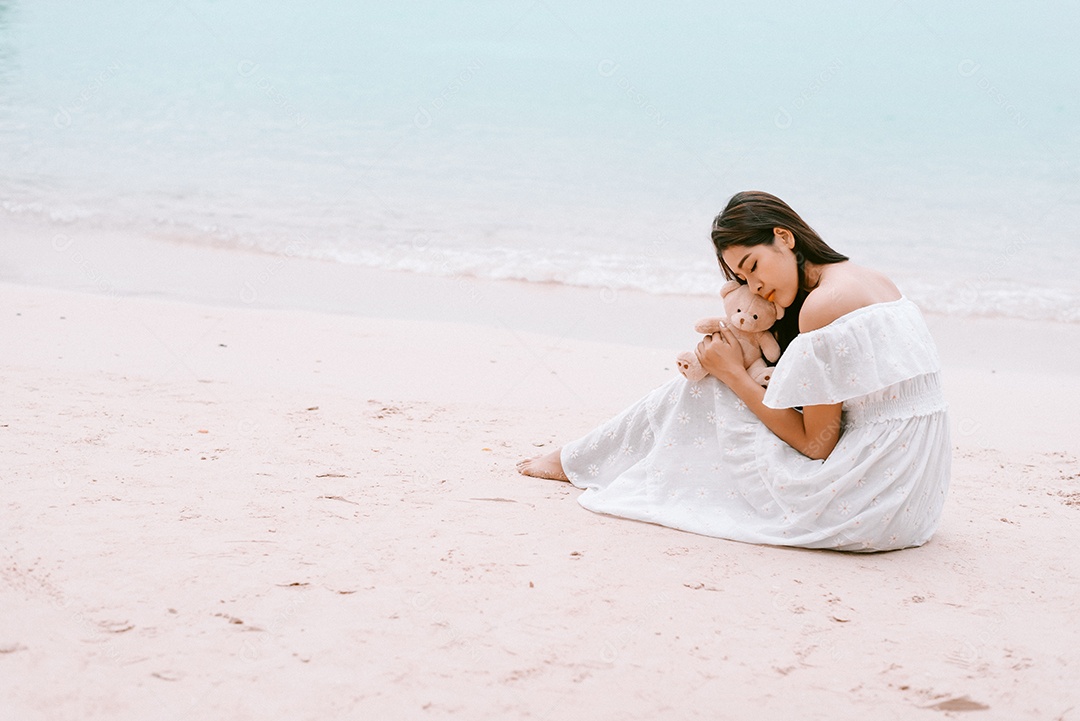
843	288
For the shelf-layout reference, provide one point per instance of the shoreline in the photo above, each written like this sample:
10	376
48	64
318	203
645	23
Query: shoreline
645	331
120	263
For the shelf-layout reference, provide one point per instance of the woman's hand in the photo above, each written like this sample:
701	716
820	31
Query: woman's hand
721	355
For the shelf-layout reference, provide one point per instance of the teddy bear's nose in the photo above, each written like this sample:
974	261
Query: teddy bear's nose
742	320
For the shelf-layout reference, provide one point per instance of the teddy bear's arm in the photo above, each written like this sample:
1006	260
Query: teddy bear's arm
709	325
690	366
769	347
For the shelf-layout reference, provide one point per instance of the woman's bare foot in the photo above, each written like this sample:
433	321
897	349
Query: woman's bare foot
549	466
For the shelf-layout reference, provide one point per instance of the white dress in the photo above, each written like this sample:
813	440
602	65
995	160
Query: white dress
692	456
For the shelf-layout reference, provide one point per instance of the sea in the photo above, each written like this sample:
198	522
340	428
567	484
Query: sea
549	141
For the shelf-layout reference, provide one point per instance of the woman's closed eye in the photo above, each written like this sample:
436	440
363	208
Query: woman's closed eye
753	268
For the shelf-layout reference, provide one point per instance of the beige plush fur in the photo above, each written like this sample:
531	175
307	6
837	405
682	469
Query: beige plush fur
749	317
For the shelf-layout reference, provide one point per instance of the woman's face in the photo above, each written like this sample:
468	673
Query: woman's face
771	270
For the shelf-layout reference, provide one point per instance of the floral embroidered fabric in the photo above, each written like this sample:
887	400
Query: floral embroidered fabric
692	456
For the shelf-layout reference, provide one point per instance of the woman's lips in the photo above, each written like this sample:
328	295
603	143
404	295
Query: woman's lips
771	296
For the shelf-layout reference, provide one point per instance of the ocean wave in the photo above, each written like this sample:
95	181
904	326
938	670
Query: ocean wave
974	296
60	215
958	288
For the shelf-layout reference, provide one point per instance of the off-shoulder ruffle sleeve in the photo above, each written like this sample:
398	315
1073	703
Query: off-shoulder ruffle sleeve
858	353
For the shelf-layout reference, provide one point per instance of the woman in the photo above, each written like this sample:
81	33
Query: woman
849	446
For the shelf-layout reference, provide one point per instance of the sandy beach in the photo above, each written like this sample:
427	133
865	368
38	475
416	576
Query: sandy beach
248	487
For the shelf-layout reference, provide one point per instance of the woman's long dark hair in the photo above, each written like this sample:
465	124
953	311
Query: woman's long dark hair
749	219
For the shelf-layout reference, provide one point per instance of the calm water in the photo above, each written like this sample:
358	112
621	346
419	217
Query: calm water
550	142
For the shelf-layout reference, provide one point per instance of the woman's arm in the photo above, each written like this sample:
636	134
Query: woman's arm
814	432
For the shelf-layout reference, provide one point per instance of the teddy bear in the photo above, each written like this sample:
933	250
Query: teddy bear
749	318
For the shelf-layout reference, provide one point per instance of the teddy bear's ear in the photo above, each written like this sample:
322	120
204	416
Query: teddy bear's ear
779	310
728	287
